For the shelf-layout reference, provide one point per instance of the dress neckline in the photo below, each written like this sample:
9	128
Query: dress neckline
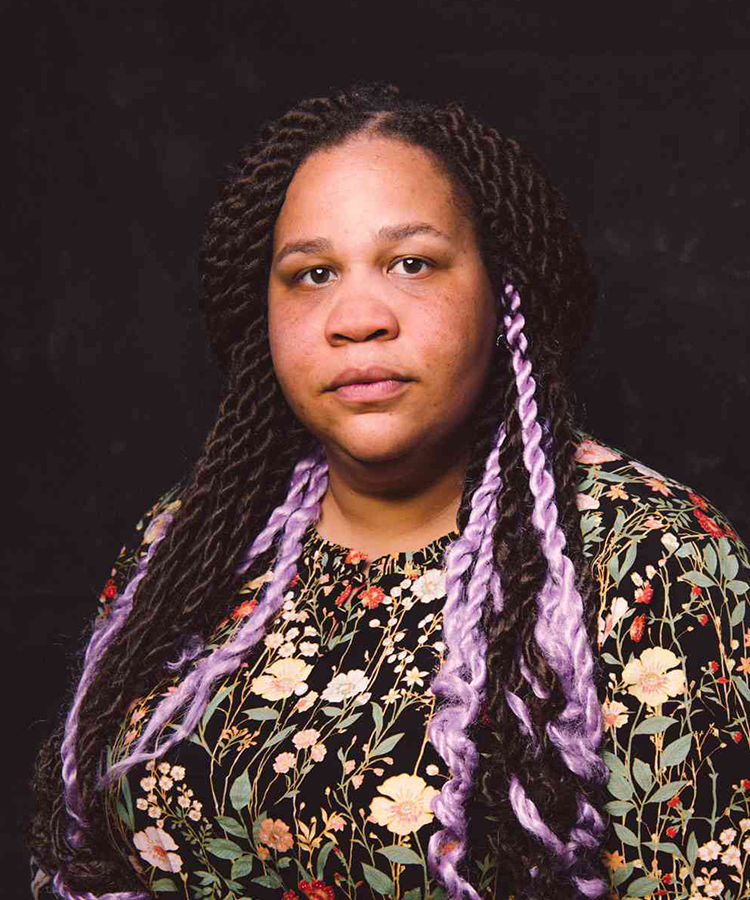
350	556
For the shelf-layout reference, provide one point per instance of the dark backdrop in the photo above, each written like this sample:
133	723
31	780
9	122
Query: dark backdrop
121	119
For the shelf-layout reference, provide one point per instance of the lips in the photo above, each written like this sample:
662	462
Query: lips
366	376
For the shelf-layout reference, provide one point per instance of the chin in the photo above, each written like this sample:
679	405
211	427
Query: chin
373	450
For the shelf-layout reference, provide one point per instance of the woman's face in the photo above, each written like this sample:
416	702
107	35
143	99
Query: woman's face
375	266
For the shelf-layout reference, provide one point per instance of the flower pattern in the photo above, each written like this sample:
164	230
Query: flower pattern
310	774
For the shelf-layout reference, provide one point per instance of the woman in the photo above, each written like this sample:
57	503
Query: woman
404	631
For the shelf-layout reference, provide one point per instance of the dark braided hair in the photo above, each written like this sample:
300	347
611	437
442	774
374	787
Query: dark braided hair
259	472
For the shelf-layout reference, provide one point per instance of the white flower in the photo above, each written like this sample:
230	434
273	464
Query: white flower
184	801
406	583
727	836
671	543
746	845
154	812
177	773
282	679
148	784
714	887
307	648
194	814
744	824
141	803
155	846
431	586
731	856
362	699
318	752
286	650
432	769
414	676
309	631
273	641
648	679
292	633
345	685
439	646
709	851
391	696
406	805
306	702
396	591
165	783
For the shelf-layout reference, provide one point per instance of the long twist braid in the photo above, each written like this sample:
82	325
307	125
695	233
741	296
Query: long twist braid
526	238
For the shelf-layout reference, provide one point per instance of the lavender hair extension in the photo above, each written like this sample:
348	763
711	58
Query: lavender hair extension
462	676
301	476
196	687
560	631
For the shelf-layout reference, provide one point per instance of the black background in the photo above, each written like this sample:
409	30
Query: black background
120	119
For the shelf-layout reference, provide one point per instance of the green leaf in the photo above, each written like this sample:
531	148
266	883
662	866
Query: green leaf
643	774
676	752
349	720
692	849
738	614
283	862
612	660
698	579
613	567
269	880
738	587
667	791
642	886
262	713
378	881
242	866
687	549
239	793
729	567
278	738
654	725
164	884
385	746
629	560
626	835
223	848
618	807
413	894
709	559
262	816
124	814
403	855
323	859
211	708
332	711
623	873
232	826
666	847
128	800
377	717
615	765
620	787
739	682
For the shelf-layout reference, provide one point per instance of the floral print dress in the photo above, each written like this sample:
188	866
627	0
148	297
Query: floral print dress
310	774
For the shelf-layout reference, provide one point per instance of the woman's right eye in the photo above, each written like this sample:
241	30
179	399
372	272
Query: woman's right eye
316	274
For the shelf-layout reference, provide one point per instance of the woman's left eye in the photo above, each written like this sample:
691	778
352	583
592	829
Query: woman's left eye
410	261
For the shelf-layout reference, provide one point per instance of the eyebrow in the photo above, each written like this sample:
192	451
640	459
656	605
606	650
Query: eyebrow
388	233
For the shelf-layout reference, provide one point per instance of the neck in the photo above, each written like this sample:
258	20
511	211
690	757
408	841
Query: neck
382	508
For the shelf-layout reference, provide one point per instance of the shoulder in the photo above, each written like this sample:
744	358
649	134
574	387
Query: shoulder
148	528
673	641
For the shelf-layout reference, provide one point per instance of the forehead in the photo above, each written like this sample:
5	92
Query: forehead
369	179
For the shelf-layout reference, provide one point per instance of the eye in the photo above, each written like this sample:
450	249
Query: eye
410	262
316	274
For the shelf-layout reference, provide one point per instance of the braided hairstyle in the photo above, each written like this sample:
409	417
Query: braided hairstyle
520	721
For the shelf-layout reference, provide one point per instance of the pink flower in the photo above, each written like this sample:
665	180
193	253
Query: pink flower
305	738
318	752
583	501
284	762
275	833
155	847
591	453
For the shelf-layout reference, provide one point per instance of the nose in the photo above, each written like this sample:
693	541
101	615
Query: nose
361	313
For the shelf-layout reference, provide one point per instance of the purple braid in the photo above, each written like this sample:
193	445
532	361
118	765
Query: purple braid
560	632
294	518
462	676
309	478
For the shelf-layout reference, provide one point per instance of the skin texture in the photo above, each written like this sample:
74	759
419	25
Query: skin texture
396	465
